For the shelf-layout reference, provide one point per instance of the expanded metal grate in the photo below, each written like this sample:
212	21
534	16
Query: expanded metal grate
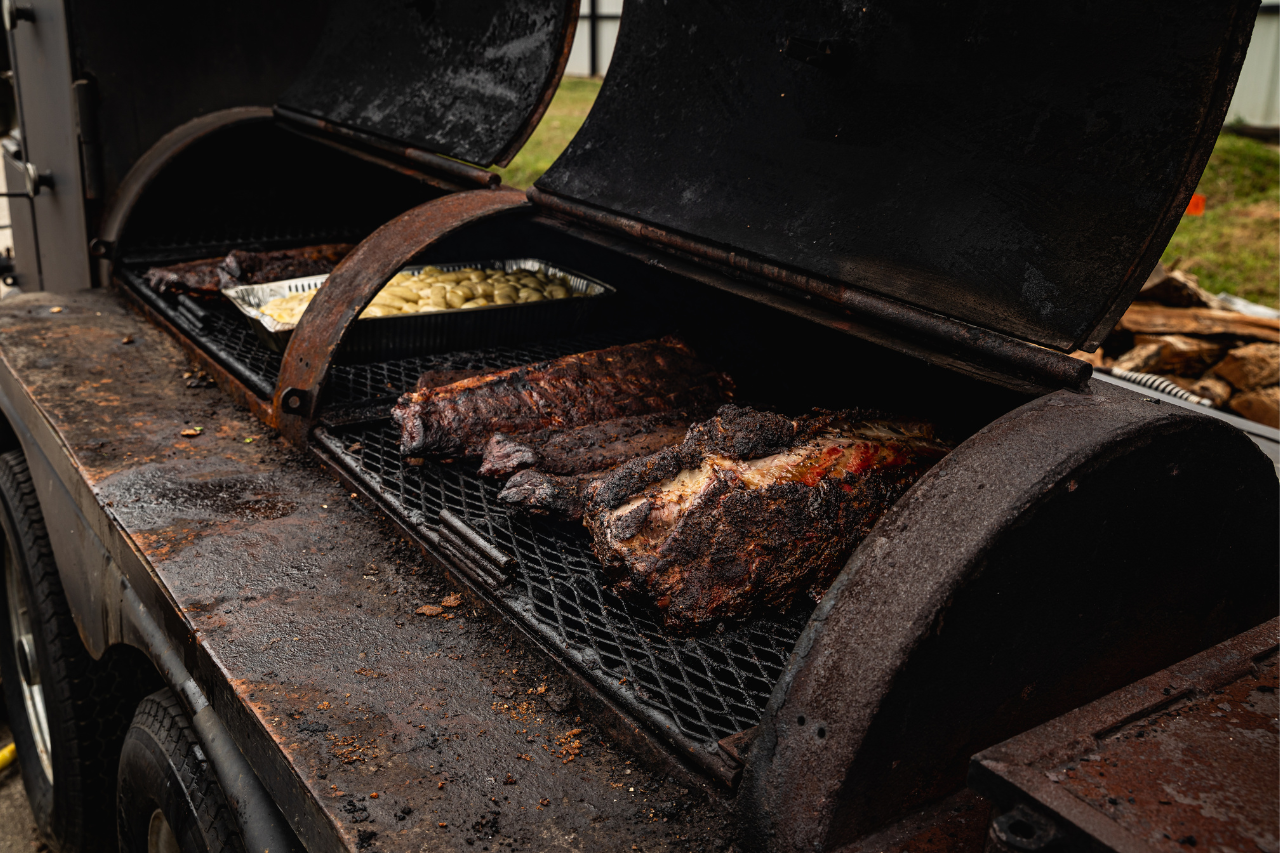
707	687
242	351
222	332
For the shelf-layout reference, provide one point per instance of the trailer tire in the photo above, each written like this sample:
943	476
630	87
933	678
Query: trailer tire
85	704
169	797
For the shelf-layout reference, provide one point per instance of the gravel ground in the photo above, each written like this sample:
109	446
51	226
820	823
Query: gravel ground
17	829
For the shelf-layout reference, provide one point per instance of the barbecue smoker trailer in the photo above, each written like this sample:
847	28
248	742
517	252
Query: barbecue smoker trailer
749	180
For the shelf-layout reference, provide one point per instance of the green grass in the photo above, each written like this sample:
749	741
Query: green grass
1235	246
568	110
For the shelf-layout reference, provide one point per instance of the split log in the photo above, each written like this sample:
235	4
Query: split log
1148	318
1261	405
1140	359
1251	366
1176	289
1176	354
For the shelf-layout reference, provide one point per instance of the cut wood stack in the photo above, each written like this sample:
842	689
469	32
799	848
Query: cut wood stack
1180	332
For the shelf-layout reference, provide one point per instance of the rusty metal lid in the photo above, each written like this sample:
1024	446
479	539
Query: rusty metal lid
468	80
1019	166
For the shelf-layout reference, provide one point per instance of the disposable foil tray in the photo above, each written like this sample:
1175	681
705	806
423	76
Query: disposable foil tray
378	338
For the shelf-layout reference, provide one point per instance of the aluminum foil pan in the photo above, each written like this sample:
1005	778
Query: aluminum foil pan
403	335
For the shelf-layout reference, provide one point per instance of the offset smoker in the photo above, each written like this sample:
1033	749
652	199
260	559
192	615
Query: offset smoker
762	186
765	184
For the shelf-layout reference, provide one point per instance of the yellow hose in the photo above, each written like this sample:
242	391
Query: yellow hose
7	755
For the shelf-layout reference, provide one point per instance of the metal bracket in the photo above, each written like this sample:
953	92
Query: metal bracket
295	401
354	283
14	12
35	179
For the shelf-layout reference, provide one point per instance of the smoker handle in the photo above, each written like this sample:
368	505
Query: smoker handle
352	286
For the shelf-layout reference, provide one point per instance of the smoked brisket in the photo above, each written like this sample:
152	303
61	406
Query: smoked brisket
549	494
593	447
752	511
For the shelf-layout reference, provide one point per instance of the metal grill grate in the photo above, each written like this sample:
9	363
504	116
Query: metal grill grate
243	352
222	333
707	688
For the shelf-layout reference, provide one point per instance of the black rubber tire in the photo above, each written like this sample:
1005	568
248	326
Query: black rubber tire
163	768
88	703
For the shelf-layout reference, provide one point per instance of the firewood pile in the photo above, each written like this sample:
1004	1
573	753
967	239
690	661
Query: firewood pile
1177	331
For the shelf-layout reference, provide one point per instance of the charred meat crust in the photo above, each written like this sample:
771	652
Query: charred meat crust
550	494
211	275
436	378
752	511
592	447
635	379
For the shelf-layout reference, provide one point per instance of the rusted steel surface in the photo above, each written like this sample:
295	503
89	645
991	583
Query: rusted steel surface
779	130
1043	563
295	606
568	29
467	176
203	361
354	283
1187	758
463	80
957	824
969	343
950	353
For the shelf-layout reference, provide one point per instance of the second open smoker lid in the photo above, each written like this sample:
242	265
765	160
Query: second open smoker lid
1016	165
464	78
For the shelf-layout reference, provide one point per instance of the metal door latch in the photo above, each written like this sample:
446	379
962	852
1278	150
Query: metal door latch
35	179
14	12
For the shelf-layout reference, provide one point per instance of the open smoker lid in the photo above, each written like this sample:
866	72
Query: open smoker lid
464	78
1019	166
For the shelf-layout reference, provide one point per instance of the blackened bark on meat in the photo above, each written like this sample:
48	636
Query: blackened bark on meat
635	379
593	447
549	494
736	432
263	267
210	275
438	378
194	276
752	511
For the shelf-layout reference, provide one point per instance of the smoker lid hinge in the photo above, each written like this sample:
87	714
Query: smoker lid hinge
296	401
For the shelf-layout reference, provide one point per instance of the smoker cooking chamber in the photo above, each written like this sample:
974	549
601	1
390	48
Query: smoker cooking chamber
691	693
783	334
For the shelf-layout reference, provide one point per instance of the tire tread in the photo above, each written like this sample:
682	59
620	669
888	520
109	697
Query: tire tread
99	694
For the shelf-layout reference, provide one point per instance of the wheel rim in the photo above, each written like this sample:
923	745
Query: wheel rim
160	837
23	640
